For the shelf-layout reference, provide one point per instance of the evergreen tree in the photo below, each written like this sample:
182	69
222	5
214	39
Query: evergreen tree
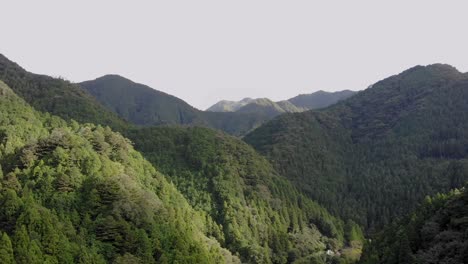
6	250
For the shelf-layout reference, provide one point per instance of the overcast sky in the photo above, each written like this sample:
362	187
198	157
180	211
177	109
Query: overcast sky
205	51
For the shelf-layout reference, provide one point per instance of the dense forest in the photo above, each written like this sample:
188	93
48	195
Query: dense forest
377	154
80	194
435	233
257	211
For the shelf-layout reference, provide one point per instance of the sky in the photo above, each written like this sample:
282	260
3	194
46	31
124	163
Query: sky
204	51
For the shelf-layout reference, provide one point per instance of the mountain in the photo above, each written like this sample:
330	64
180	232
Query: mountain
320	99
229	106
73	193
56	96
218	201
375	155
142	105
271	109
435	233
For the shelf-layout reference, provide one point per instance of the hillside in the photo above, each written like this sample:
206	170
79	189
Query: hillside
377	154
435	233
56	96
142	105
139	103
72	193
258	213
236	199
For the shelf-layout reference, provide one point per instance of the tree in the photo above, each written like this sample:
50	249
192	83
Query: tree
6	250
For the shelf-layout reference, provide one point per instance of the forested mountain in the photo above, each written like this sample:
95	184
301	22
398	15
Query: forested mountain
145	106
258	213
435	233
56	96
271	109
80	193
140	104
108	204
320	99
72	193
377	154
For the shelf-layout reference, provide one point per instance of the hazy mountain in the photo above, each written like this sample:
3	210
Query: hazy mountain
299	103
145	106
377	154
269	108
320	99
229	106
139	103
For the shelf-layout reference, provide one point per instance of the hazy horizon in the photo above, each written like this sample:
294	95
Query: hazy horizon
207	51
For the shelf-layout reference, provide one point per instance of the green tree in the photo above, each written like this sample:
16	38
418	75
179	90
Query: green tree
6	250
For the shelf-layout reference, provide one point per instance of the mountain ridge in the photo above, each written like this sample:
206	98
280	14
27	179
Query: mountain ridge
146	106
299	103
414	121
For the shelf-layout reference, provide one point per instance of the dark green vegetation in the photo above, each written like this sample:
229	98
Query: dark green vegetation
435	233
256	212
72	193
56	96
145	106
140	104
377	154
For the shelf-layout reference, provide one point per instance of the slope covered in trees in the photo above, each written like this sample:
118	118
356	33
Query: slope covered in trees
435	233
56	96
257	213
377	154
240	202
145	106
72	193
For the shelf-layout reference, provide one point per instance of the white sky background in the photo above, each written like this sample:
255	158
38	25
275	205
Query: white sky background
205	51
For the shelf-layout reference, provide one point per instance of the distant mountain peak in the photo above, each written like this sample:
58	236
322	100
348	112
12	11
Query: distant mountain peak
302	102
436	68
